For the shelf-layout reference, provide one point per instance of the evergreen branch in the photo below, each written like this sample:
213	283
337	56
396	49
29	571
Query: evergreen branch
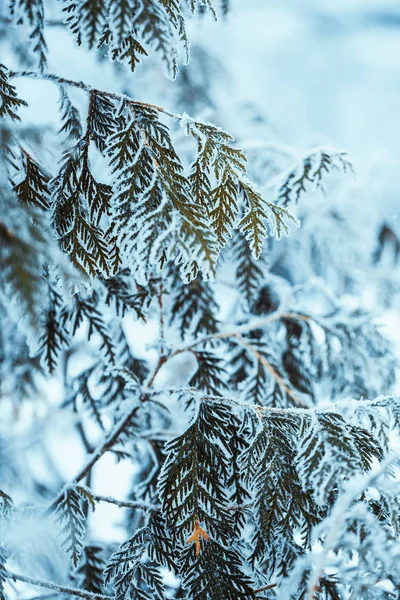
60	589
88	88
90	572
245	328
43	596
108	442
354	488
270	586
126	503
310	172
155	184
270	368
47	22
8	96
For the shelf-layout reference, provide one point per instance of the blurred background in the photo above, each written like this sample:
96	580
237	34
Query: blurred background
283	77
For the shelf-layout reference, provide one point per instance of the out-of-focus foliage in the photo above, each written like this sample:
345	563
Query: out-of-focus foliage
150	308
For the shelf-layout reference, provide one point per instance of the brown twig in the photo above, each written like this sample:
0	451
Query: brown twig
265	588
270	368
161	307
245	328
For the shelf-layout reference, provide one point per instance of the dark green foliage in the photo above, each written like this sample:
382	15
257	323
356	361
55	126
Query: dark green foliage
6	507
8	96
257	388
86	310
216	573
240	365
249	272
145	160
91	570
191	492
148	203
195	505
267	301
236	470
134	568
71	517
257	366
193	306
217	157
71	121
277	473
130	28
298	374
61	323
55	334
78	200
309	174
353	447
23	252
119	293
253	224
239	494
33	189
31	12
223	214
130	51
86	21
89	247
209	376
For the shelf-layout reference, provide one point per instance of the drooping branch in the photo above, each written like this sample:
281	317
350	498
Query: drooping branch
354	489
60	589
103	447
271	369
88	88
109	441
126	503
270	586
245	328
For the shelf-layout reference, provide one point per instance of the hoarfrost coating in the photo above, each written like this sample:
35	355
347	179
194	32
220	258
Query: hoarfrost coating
194	404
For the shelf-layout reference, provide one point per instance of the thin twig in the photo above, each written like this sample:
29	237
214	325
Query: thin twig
106	445
162	360
245	328
47	22
338	515
57	588
265	588
109	441
126	503
161	307
271	369
88	88
79	427
43	596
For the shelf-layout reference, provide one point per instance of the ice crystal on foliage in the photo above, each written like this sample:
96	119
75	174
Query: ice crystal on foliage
251	474
310	173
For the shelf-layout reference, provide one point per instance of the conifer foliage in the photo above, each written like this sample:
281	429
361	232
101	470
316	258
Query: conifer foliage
252	478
